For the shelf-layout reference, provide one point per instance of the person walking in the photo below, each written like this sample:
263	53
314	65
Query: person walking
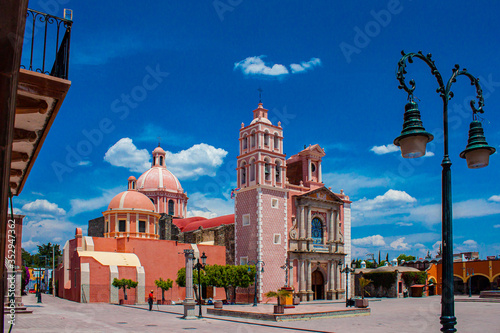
150	300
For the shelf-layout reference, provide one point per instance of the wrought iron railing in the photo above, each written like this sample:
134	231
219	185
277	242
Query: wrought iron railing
38	51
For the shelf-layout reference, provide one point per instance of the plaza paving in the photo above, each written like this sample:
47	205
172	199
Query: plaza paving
387	315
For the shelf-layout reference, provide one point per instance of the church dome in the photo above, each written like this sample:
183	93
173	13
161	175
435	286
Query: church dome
131	200
159	178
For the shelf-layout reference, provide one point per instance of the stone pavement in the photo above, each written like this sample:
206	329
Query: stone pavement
387	315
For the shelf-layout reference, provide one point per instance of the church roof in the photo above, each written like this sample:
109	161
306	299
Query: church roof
209	223
181	223
322	193
158	179
131	200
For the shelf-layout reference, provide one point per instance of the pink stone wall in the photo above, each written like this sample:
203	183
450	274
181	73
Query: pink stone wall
246	236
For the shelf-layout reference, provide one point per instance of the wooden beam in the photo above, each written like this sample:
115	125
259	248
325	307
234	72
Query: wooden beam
27	105
22	135
18	156
16	173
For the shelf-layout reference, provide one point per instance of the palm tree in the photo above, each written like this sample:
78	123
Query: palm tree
278	294
362	285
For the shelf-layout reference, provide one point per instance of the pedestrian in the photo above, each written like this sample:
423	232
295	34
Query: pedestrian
150	300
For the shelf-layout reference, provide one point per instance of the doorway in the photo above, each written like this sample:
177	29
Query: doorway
318	285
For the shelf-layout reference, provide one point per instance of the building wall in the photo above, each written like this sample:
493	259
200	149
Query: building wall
96	227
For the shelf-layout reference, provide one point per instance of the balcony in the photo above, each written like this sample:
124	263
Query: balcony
41	89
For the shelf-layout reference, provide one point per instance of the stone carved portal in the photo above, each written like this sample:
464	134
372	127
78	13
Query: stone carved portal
318	285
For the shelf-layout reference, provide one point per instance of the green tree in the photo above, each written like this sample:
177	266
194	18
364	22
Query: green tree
405	258
278	295
164	285
124	284
241	276
181	279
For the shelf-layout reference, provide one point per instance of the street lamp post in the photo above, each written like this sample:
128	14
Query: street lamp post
347	270
199	266
413	140
470	274
256	264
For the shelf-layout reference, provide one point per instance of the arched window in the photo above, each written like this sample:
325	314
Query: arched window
313	167
252	140
276	141
244	141
252	170
170	207
267	169
278	171
266	138
317	231
243	173
161	160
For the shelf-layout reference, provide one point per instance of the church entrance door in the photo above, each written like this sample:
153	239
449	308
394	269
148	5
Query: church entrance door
318	285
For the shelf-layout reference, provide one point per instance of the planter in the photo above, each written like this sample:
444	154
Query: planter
361	303
218	305
279	309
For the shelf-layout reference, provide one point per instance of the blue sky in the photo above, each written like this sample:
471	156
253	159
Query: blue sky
190	73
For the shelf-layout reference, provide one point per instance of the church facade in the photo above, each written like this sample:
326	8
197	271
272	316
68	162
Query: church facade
287	222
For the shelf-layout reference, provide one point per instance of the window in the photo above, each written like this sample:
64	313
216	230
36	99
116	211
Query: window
152	200
317	231
243	173
274	203
266	139
142	226
267	170
170	207
243	260
313	167
252	140
252	170
245	142
278	172
122	226
276	141
246	219
106	227
277	238
161	160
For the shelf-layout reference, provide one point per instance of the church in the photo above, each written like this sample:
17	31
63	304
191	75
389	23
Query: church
286	222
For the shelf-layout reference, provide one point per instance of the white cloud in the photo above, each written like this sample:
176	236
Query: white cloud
382	150
390	198
305	65
495	226
85	163
399	244
36	232
201	205
352	182
125	154
84	205
466	246
375	240
199	160
43	207
431	214
257	66
428	154
495	198
404	224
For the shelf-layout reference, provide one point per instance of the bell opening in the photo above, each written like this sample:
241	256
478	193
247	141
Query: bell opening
478	158
413	146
